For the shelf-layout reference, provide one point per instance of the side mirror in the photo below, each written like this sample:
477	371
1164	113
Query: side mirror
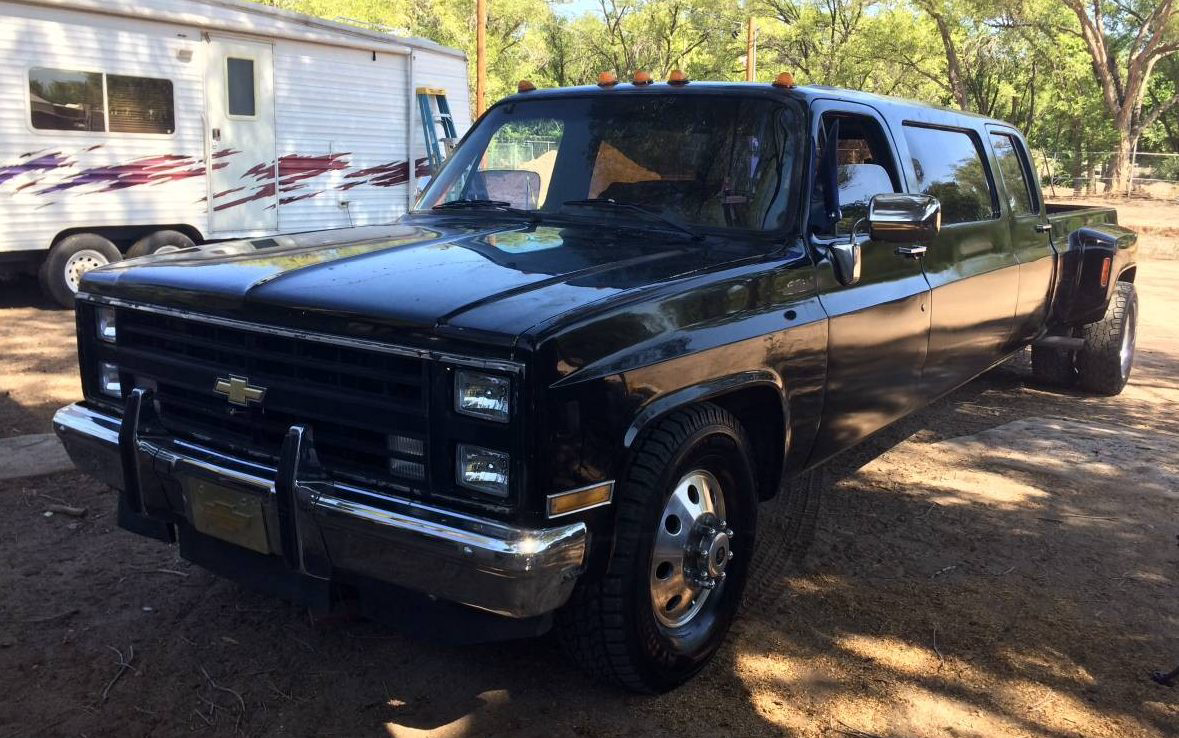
904	218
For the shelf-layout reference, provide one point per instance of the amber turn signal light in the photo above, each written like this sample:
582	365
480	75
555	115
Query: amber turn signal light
583	498
677	78
1105	268
607	79
785	79
641	78
525	86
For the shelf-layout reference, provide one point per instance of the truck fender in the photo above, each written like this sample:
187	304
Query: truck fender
702	392
1086	280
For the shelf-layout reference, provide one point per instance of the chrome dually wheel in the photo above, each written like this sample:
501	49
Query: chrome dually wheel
692	549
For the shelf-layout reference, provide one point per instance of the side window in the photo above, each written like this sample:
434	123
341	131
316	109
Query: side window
63	100
948	164
1013	167
864	168
239	82
140	104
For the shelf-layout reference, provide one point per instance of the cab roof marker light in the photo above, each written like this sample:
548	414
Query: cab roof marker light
607	79
677	78
525	85
641	78
785	79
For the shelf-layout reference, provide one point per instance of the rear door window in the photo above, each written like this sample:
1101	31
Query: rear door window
949	165
1013	168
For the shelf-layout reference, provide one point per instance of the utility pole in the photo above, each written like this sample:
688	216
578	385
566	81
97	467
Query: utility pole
480	55
750	51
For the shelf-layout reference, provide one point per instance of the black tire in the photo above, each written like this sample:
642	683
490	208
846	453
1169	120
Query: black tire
609	625
69	259
1054	366
159	241
1105	361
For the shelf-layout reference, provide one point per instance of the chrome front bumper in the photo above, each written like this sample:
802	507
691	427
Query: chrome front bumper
320	526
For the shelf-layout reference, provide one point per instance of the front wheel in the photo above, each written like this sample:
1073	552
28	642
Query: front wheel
687	516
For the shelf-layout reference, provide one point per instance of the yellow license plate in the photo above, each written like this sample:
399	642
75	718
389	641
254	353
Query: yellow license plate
228	514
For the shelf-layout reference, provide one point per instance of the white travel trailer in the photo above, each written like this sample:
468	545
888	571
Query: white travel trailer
131	126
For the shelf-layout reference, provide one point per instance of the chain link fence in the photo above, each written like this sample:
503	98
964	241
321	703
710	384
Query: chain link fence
511	154
1069	174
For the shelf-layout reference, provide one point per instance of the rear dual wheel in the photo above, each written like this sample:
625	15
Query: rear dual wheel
687	516
1103	363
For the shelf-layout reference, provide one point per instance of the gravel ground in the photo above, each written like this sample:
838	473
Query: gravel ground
1004	562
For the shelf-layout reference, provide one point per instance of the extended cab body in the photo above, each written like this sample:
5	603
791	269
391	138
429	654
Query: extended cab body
619	318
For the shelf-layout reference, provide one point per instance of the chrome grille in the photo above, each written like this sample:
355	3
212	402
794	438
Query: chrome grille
366	408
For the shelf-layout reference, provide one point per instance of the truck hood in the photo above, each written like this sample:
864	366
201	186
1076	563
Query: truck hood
487	281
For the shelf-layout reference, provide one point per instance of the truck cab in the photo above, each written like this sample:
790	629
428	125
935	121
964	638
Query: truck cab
619	318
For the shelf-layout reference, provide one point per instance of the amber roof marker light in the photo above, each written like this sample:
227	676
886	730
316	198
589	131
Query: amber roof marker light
525	86
677	78
607	79
641	78
785	79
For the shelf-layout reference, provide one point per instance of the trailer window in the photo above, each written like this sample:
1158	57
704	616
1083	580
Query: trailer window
140	104
239	81
64	100
948	164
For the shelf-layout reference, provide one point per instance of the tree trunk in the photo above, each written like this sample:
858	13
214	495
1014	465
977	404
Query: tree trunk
1118	170
953	64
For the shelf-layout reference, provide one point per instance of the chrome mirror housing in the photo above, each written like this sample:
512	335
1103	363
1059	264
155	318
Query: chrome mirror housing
904	218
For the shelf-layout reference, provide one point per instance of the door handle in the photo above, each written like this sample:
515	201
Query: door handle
913	252
1043	227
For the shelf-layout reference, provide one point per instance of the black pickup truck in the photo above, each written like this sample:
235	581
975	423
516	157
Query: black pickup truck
555	393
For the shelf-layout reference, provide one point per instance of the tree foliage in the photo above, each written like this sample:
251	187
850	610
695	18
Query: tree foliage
1076	75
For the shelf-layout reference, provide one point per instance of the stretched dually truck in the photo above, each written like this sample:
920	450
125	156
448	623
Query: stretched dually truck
130	128
557	391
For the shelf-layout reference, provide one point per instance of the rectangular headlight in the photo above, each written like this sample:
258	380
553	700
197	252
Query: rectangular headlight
483	395
105	319
482	469
108	380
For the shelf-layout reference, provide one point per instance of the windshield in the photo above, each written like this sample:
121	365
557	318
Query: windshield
698	160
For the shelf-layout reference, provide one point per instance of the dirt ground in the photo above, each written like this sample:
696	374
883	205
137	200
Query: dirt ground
1003	563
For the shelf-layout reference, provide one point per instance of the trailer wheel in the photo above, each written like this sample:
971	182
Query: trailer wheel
69	259
1053	366
1104	363
160	242
685	532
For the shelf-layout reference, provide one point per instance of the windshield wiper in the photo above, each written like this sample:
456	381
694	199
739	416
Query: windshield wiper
606	202
502	206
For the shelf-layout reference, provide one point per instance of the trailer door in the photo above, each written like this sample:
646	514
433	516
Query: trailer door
243	196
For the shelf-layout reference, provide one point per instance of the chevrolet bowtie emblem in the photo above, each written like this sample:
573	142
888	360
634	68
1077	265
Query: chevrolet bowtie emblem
239	391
